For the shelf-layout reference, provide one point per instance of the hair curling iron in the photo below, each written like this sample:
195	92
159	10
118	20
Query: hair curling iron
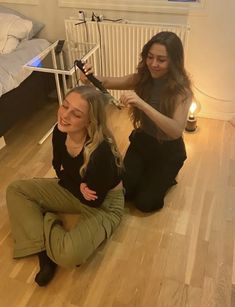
98	84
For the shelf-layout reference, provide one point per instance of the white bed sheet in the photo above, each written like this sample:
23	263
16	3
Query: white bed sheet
12	72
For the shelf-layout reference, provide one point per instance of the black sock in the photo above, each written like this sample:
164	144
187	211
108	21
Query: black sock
47	269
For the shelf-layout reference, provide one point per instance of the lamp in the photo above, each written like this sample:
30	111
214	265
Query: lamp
191	125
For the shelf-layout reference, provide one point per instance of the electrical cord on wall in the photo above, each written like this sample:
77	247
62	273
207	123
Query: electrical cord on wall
100	43
94	17
209	96
98	19
83	21
113	20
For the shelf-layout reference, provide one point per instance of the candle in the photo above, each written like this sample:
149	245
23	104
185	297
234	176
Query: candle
191	121
191	124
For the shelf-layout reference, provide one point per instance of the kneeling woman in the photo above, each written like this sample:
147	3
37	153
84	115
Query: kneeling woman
86	159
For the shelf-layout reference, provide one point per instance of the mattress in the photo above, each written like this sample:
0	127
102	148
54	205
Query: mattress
12	72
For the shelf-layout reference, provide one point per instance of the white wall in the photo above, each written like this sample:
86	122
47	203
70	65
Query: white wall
210	51
210	59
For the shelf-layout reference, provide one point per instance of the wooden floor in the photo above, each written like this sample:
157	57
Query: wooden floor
183	255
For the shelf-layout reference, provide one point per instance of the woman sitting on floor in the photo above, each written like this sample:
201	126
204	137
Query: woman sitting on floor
85	158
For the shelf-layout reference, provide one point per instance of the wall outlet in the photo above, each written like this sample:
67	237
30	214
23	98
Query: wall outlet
81	15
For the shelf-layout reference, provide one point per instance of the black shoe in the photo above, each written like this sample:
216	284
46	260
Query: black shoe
47	270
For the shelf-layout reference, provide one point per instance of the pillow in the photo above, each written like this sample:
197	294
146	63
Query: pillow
37	26
12	29
11	44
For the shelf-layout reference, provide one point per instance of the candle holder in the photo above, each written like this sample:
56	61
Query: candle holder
191	124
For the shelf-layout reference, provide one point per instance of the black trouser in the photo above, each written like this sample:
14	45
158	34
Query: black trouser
150	169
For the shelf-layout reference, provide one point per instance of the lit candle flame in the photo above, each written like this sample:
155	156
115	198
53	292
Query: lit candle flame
192	109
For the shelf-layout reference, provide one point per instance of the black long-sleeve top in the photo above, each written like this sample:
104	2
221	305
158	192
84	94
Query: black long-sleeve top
101	175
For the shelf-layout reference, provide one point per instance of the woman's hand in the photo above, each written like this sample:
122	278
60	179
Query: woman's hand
88	68
132	99
87	193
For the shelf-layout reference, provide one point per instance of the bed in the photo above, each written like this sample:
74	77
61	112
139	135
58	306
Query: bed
21	91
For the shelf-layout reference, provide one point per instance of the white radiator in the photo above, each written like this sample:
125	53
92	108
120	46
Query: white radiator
120	43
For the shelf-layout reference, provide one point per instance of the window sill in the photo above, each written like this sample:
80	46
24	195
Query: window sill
148	6
30	2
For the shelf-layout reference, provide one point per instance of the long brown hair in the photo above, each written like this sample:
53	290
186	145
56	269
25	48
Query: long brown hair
178	82
97	130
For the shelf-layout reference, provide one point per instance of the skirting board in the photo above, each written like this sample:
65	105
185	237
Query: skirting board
2	142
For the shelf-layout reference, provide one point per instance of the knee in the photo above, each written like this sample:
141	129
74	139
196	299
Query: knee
12	186
67	259
149	205
12	189
67	253
130	184
15	185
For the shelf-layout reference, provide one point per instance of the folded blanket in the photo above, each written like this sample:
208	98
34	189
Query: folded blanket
12	30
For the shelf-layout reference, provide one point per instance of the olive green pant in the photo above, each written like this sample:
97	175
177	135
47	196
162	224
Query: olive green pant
32	206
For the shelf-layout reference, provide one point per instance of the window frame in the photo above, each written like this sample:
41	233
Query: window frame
30	2
154	6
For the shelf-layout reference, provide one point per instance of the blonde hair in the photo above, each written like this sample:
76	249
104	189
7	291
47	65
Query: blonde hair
97	130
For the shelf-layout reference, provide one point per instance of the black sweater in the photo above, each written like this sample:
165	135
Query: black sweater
101	174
